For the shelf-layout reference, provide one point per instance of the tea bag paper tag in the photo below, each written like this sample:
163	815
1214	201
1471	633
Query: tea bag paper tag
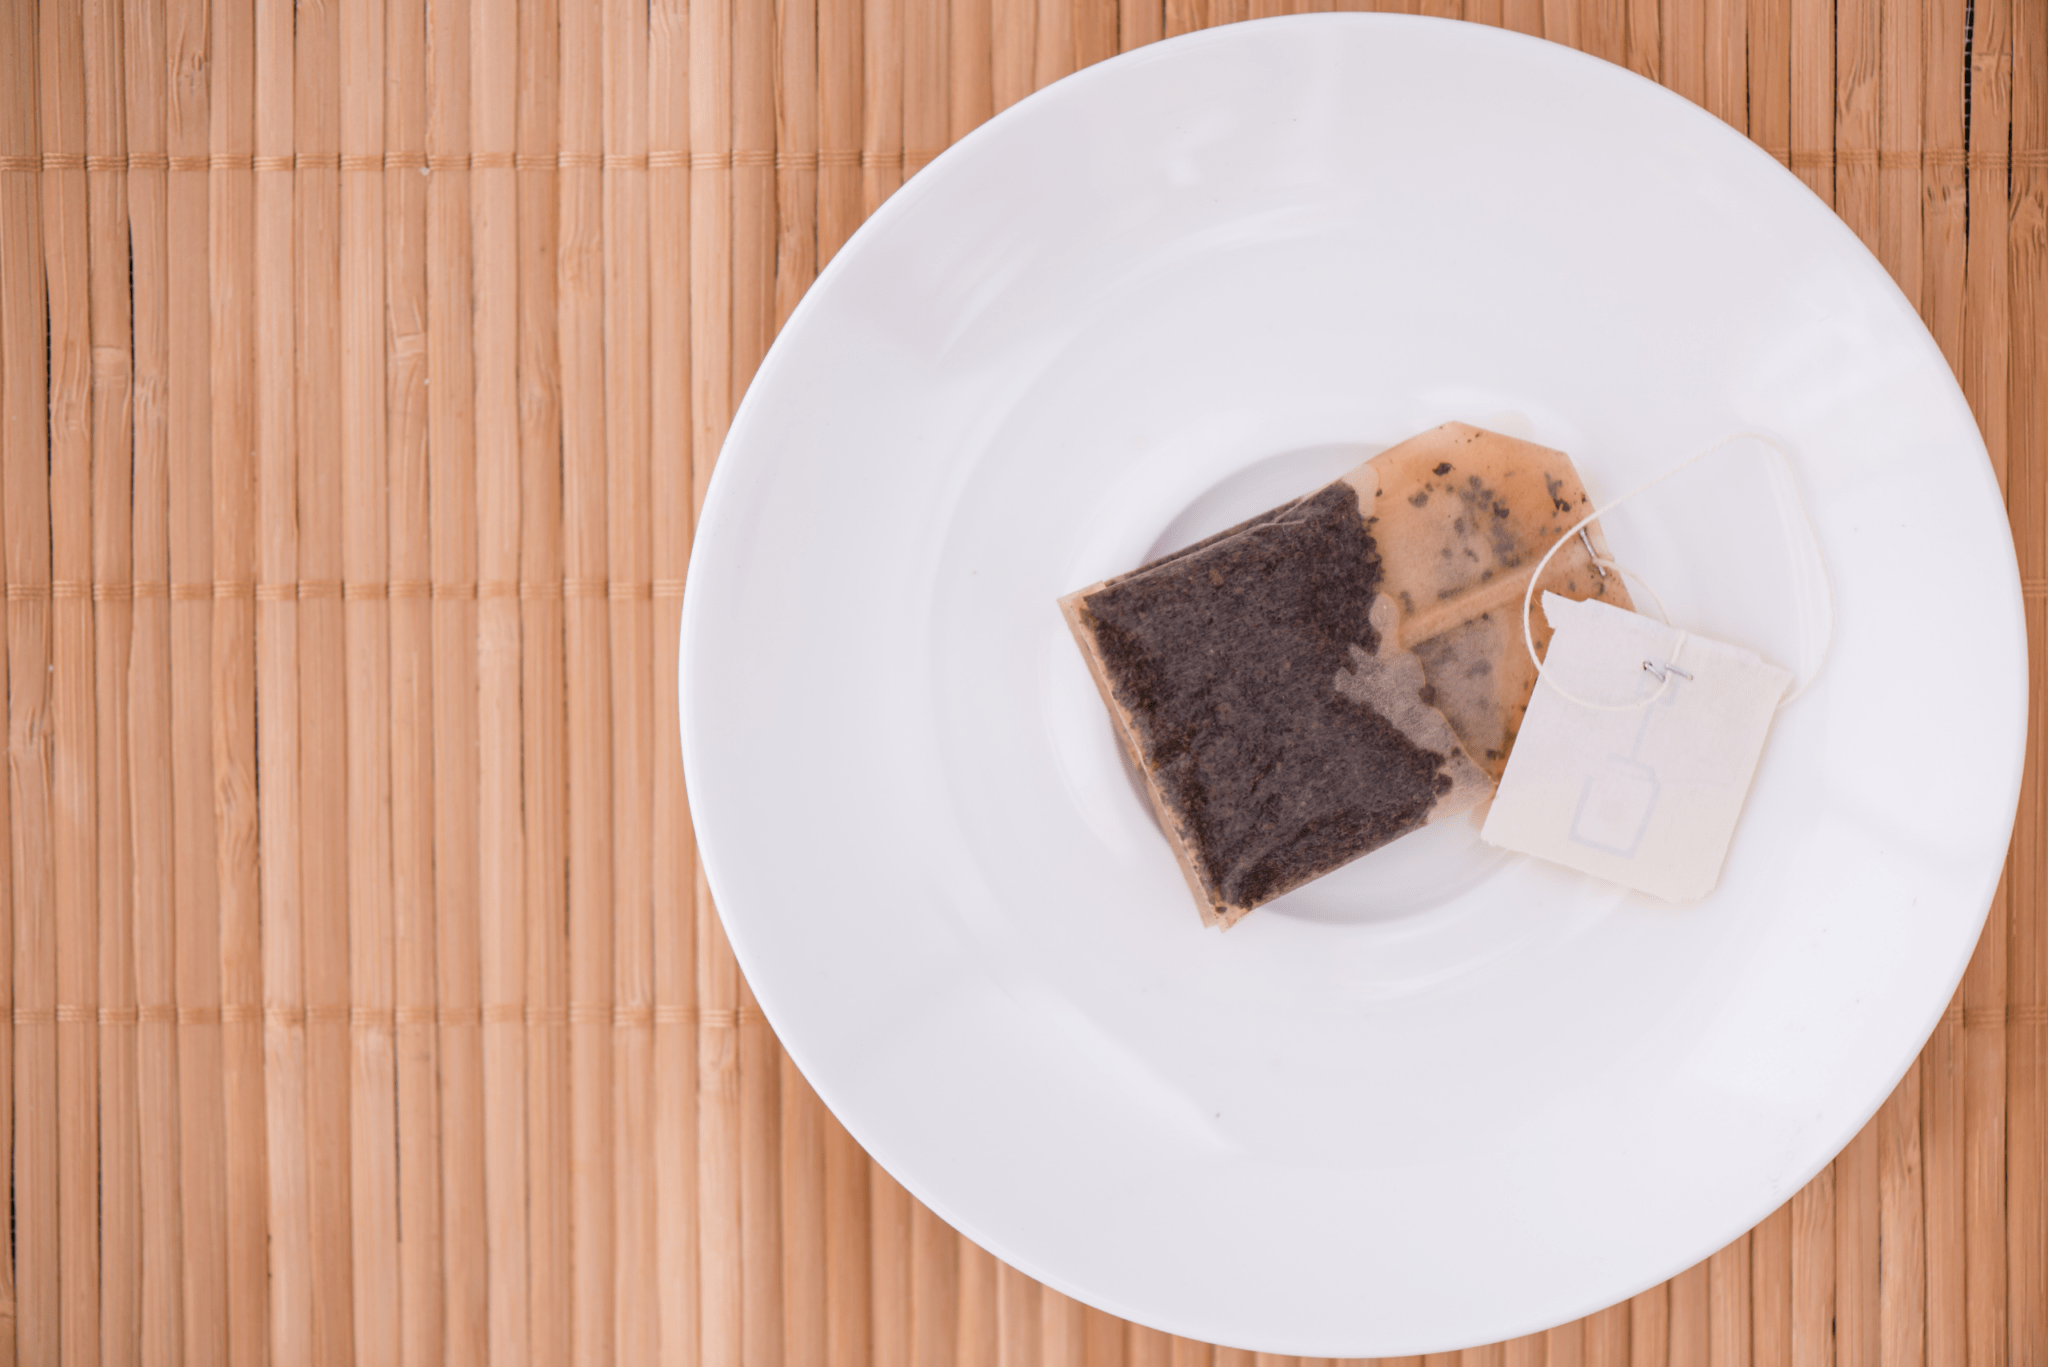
1634	774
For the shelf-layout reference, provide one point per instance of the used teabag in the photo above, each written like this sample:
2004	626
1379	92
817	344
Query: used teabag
1303	688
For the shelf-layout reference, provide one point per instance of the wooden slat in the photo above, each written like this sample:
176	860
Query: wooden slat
233	777
934	1291
25	493
580	305
1730	1337
1564	1346
1856	1249
72	741
366	628
889	1274
882	52
1603	29
1769	32
970	68
120	1215
629	563
422	1306
670	483
202	1139
231	243
1986	378
1682	39
1606	1337
500	894
1095	24
1063	1335
718	1138
1726	62
1857	126
543	696
1147	1347
1943	203
1811	53
1942	1107
1561	23
760	1128
1902	1306
1649	1328
839	124
280	821
148	721
1054	38
1770	1279
1813	1272
1689	1318
848	1293
797	117
1644	42
805	1322
17	398
978	1343
2026	1101
1901	105
323	756
454	691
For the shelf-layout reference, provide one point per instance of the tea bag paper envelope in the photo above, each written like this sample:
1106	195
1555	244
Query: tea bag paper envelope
1644	796
1319	680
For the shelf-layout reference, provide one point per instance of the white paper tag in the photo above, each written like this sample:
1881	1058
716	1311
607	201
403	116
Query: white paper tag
1646	796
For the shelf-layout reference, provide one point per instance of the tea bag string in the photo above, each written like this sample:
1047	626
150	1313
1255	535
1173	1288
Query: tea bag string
1669	668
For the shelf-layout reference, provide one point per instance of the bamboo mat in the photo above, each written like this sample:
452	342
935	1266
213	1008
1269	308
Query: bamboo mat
360	366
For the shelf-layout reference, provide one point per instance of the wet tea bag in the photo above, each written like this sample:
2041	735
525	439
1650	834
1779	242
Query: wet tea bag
1311	684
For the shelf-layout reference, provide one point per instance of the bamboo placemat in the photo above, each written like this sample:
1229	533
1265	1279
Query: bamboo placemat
361	364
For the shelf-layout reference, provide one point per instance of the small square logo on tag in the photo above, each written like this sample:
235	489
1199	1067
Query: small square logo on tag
1637	751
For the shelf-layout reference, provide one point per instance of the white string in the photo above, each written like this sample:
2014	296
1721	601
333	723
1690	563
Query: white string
1827	628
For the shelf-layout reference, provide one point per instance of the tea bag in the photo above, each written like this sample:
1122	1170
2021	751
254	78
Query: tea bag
1321	679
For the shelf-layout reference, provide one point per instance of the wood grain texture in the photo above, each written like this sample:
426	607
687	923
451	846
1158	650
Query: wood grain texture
280	819
2026	1212
362	369
543	692
25	524
366	638
148	722
202	1140
1813	1272
415	1043
73	736
454	1010
1770	1280
323	789
670	484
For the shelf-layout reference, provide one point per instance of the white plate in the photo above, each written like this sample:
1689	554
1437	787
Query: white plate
1443	1096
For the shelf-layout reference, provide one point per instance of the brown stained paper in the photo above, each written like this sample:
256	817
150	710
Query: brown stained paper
1321	679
